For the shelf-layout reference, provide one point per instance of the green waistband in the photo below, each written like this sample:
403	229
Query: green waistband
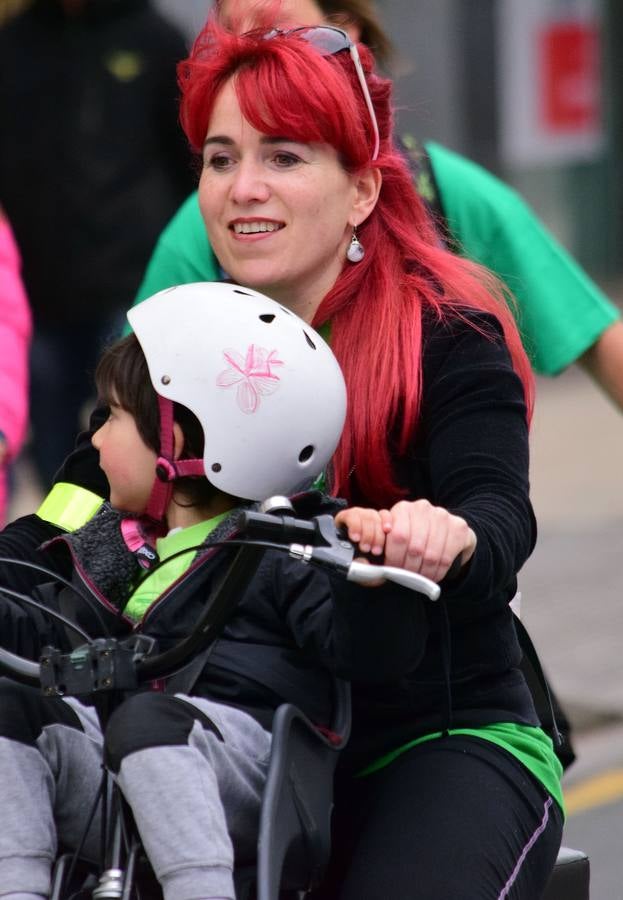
527	743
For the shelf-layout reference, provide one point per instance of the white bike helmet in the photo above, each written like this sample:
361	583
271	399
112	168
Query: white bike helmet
266	388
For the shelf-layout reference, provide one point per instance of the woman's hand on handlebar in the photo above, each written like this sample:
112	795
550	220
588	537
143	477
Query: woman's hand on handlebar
427	539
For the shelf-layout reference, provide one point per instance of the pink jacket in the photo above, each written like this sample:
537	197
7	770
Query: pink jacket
15	331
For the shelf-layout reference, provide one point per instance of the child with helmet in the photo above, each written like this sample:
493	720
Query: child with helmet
208	412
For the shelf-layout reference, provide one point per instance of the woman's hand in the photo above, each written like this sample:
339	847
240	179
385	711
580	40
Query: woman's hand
427	539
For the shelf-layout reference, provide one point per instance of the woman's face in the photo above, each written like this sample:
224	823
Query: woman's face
278	213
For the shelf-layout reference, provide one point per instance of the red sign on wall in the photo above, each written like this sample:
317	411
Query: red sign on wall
570	70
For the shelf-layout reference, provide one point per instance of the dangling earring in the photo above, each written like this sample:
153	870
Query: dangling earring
355	252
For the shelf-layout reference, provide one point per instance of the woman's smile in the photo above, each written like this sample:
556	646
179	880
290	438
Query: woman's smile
254	228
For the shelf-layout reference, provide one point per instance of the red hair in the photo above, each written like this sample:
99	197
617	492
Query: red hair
375	307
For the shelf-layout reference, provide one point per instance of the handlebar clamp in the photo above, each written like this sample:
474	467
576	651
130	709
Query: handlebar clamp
104	665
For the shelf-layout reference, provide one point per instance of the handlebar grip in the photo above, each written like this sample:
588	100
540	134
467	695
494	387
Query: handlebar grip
281	529
26	670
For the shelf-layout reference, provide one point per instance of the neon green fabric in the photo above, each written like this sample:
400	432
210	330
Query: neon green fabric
69	506
531	746
156	583
561	311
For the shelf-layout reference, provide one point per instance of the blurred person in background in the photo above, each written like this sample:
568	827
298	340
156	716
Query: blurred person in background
92	165
15	332
564	317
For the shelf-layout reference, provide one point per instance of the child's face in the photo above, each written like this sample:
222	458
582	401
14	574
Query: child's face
128	463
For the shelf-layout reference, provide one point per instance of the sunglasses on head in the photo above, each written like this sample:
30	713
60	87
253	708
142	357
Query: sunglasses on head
329	41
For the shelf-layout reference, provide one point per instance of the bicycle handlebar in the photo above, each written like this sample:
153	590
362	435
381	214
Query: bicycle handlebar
282	529
25	670
315	541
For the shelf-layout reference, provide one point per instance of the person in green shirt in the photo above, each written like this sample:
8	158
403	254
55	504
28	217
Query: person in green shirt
563	316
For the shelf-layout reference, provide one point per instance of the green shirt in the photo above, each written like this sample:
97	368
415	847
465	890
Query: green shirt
530	745
156	583
182	254
561	311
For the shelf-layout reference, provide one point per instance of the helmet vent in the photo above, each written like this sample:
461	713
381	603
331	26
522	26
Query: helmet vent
244	293
216	467
306	453
267	317
309	340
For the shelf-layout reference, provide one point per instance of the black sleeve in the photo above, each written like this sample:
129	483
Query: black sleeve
371	635
82	465
475	435
25	630
21	540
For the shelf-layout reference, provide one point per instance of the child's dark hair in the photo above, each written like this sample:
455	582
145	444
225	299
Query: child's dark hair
122	378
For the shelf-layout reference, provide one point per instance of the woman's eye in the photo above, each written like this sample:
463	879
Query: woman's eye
285	160
218	161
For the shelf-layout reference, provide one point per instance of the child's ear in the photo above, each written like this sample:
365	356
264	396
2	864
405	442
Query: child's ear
178	441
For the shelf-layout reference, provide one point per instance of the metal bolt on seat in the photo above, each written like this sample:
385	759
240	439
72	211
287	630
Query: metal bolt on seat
110	885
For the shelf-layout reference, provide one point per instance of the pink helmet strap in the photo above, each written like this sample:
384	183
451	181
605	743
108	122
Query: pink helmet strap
167	468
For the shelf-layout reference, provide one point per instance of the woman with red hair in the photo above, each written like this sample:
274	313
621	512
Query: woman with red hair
449	787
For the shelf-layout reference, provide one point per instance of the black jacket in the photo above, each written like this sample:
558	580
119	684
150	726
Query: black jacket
284	640
469	455
93	161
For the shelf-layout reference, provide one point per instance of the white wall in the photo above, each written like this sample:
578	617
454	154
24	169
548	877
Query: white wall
189	15
428	77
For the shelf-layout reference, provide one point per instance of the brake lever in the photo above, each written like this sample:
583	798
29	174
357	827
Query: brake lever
339	559
361	573
329	548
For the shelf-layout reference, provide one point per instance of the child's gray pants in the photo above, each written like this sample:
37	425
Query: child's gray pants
192	770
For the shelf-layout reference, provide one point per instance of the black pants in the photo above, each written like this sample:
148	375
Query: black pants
453	819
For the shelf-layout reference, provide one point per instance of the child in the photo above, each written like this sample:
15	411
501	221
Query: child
215	381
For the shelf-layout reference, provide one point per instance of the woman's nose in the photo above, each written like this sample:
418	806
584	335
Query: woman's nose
96	438
250	184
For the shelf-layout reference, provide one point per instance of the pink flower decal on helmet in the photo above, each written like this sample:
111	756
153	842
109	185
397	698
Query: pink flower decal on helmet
251	374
